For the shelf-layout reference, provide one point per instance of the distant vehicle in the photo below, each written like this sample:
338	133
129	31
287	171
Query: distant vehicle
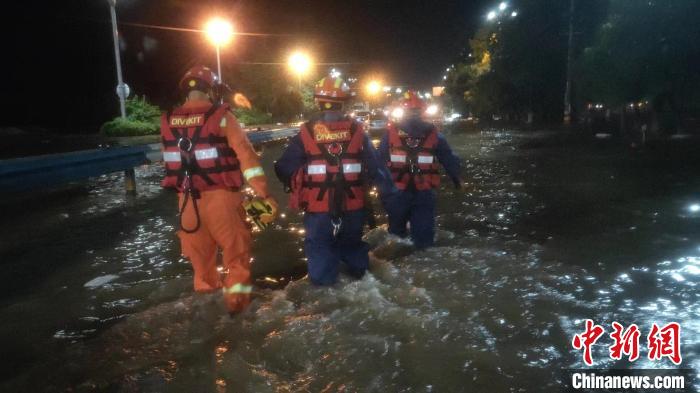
362	117
452	117
378	120
360	106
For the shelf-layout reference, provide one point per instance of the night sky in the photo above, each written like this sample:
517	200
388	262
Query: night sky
61	72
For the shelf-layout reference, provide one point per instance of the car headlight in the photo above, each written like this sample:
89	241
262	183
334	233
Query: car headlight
432	110
397	113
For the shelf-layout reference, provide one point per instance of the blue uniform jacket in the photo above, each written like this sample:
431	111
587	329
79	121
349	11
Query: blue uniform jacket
418	128
294	157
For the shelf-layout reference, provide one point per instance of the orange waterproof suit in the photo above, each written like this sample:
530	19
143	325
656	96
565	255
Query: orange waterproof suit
222	221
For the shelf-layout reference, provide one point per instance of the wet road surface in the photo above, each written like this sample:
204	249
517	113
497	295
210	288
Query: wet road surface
553	229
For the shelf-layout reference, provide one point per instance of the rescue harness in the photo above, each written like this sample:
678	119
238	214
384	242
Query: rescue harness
333	179
197	157
413	164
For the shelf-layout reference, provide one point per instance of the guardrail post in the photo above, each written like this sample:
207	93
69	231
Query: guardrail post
130	181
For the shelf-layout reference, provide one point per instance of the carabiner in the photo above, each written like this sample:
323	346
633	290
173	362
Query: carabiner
336	226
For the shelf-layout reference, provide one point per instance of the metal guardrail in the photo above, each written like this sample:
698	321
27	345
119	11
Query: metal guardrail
27	173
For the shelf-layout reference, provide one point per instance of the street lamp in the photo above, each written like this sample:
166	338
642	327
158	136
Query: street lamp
220	33
373	87
503	6
122	92
300	64
122	89
491	15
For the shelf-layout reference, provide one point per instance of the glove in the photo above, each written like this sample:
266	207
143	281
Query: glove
261	211
271	211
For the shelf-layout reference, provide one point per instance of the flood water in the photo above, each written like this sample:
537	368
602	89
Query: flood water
553	229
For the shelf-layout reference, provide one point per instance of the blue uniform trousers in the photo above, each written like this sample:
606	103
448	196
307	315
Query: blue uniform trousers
418	208
324	252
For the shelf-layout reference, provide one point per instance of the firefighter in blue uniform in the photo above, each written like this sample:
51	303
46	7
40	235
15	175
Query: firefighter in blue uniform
412	150
327	167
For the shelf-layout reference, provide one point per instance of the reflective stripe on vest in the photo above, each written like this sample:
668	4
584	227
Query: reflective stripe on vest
171	156
398	158
202	154
316	169
425	159
352	168
206	154
237	289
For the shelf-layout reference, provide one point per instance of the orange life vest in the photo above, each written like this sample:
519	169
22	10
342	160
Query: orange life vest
195	151
333	179
412	161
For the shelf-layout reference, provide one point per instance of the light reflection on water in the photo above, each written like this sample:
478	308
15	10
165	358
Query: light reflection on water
529	251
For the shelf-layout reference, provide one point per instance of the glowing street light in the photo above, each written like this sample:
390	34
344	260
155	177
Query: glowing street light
220	33
514	14
374	87
300	64
503	6
491	15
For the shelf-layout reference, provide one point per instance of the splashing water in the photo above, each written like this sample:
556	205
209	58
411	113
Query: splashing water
531	249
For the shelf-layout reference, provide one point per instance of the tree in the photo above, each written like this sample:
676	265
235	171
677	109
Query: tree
517	64
645	51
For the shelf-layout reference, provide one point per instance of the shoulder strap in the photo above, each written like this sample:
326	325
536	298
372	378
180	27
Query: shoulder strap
307	138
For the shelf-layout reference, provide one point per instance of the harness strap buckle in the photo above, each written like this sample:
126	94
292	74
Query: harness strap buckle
185	144
337	223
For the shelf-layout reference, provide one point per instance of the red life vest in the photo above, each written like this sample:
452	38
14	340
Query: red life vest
412	161
334	174
195	148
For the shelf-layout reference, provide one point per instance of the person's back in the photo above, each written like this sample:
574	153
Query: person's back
327	167
207	157
413	149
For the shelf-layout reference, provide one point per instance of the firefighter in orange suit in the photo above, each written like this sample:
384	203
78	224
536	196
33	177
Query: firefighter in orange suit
207	158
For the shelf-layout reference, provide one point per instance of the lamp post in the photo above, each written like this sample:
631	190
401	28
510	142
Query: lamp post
374	87
122	92
220	33
299	64
122	89
569	59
